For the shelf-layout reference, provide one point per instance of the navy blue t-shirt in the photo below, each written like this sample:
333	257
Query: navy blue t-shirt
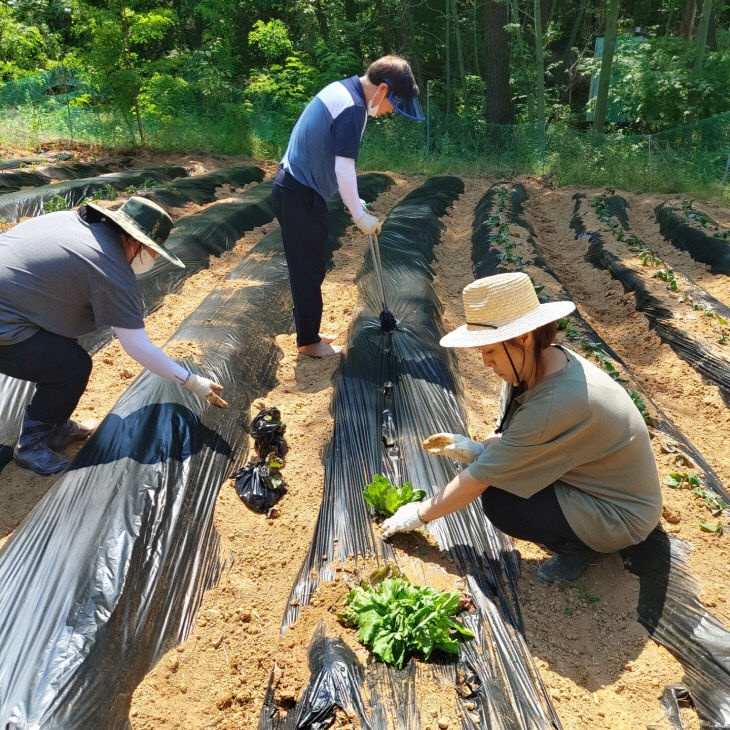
331	125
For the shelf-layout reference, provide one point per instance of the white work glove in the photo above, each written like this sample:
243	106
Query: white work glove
405	519
454	445
205	388
368	224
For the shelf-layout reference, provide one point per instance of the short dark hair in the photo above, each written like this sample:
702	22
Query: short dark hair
396	72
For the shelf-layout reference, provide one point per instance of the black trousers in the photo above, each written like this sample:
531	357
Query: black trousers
59	367
539	519
302	215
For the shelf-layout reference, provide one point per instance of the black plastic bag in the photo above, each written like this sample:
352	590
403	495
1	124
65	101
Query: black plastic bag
259	484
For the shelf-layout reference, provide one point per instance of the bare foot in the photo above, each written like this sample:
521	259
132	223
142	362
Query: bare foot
328	338
320	349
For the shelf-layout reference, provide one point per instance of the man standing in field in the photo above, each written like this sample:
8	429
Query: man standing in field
320	161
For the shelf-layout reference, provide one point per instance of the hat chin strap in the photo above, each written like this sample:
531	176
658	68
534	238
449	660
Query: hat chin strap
516	381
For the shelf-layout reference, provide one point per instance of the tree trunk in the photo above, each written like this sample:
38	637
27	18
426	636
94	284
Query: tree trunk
519	43
475	39
387	29
459	51
447	49
701	38
539	75
353	35
321	20
688	19
499	108
128	64
604	81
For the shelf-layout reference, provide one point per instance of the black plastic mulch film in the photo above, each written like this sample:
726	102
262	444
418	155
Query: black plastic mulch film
13	181
701	245
705	356
194	239
85	613
29	203
394	390
668	605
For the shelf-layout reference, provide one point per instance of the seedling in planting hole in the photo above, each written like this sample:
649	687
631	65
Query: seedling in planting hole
57	202
647	258
639	403
582	599
714	501
385	498
570	333
668	276
679	480
707	527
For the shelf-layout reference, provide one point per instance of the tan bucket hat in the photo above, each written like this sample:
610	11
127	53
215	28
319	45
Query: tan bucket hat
144	220
501	307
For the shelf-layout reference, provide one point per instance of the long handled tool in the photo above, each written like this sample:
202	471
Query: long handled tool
387	320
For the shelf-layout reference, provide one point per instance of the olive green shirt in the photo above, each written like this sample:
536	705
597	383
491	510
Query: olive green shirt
579	429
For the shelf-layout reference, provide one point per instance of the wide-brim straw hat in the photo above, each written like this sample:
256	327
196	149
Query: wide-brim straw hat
501	307
146	222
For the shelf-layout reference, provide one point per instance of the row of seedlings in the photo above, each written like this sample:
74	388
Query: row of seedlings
11	182
193	240
669	607
658	289
394	389
692	230
84	614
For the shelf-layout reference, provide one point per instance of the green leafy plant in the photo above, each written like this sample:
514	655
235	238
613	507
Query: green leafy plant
707	527
396	619
385	497
678	480
56	203
713	501
639	403
668	276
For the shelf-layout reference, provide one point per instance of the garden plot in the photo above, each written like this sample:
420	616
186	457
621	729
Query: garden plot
691	321
599	667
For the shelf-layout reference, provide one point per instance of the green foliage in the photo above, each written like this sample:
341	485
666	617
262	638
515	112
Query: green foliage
653	83
396	619
56	203
385	497
283	88
679	480
639	403
23	48
271	39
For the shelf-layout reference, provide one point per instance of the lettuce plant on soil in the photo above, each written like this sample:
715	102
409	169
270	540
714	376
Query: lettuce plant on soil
396	619
385	498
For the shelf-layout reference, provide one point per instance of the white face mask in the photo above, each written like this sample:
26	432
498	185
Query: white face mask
373	110
142	262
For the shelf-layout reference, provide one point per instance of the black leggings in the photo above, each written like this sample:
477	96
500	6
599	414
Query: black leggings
59	367
539	519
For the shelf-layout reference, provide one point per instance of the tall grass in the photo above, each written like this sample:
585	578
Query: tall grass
687	160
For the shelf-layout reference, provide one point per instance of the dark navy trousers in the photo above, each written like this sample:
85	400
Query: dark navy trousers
302	215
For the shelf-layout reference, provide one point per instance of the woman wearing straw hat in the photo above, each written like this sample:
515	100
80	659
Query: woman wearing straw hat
570	465
63	275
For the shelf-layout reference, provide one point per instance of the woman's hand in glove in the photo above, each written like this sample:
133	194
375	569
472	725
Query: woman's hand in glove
454	445
405	519
207	389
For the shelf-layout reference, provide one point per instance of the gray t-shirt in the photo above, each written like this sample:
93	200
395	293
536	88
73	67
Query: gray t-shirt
579	429
62	274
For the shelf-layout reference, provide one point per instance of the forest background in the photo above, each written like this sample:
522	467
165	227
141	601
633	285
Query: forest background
505	83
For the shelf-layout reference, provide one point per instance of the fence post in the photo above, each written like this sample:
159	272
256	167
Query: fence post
428	117
649	162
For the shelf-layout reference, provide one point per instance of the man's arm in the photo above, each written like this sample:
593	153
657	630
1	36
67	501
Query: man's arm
347	185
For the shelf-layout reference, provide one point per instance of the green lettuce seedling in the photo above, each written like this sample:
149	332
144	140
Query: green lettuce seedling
396	619
385	497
